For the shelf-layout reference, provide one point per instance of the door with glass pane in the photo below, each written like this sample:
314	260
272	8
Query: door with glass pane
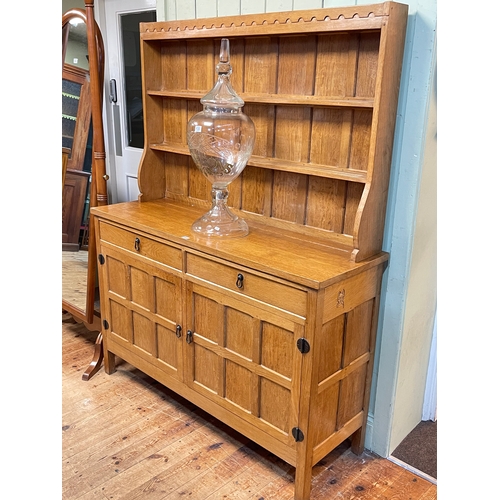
124	92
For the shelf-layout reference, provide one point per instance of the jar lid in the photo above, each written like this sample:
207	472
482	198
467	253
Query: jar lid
222	94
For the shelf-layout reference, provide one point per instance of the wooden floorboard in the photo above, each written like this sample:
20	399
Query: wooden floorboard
126	437
74	277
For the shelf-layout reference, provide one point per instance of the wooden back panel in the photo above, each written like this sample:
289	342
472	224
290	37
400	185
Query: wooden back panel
321	87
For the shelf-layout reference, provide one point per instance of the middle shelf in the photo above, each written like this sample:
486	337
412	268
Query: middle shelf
278	99
327	171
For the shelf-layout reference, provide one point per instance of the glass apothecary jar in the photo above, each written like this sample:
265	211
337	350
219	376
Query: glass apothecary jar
221	140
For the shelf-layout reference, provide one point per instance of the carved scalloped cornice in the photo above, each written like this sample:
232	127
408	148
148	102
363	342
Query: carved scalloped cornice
325	19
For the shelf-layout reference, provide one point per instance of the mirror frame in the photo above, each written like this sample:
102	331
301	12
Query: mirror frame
98	186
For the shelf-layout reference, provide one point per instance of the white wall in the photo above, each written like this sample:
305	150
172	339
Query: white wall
70	4
422	295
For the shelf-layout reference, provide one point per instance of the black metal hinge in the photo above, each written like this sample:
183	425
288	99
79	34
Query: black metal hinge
297	434
105	324
303	345
100	258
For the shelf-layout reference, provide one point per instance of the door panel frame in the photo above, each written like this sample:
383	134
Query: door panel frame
113	59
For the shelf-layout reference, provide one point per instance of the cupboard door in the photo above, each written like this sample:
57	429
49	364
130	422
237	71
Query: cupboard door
143	310
244	358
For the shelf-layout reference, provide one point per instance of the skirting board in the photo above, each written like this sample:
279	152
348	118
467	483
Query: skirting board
369	432
408	467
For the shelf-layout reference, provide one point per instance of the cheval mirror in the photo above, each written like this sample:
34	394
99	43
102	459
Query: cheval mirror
84	170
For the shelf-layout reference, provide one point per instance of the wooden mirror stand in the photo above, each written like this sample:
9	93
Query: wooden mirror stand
76	182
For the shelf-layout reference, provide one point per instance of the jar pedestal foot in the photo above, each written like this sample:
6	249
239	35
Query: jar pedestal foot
219	220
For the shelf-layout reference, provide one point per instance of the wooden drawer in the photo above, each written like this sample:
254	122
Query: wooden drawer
141	245
248	283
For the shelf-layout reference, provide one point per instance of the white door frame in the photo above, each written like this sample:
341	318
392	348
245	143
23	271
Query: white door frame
429	410
113	58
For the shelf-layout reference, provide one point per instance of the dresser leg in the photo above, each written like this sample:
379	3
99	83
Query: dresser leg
109	362
303	473
358	441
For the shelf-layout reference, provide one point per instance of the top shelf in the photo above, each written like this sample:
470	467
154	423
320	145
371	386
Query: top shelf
279	99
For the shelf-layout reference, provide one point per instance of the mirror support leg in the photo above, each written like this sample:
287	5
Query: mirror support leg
96	362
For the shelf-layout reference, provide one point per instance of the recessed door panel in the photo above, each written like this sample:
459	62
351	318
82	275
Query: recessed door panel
239	333
277	349
167	347
117	277
140	287
144	333
119	320
274	398
241	386
166	299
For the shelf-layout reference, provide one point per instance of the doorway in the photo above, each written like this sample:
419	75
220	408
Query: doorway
123	92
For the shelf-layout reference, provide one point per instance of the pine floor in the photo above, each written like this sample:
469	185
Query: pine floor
74	274
126	437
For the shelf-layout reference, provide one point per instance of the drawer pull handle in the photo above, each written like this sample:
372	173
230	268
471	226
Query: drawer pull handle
189	336
239	280
178	331
137	244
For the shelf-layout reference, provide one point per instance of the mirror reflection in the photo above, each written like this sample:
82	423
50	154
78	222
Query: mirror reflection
77	138
77	53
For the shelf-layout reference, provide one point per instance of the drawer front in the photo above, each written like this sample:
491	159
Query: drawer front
247	283
141	245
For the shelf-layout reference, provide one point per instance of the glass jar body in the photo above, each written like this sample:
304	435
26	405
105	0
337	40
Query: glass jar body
220	142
